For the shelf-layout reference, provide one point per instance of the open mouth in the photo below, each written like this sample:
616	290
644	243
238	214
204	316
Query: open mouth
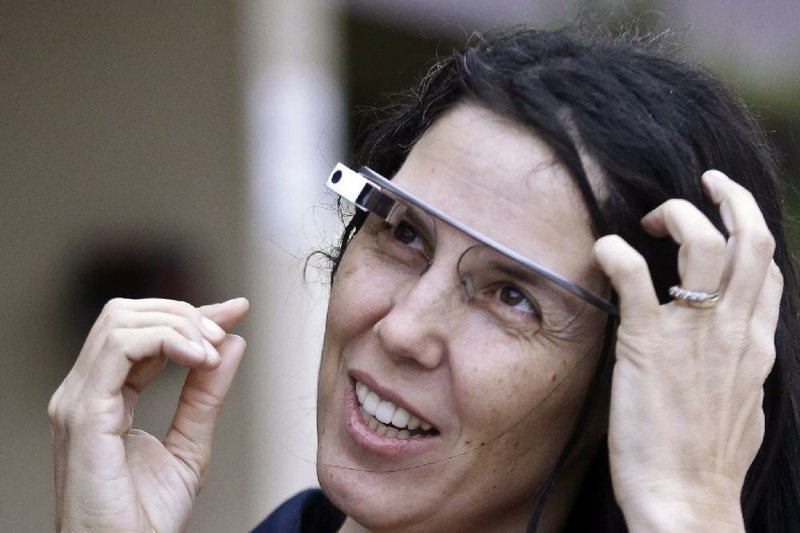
387	419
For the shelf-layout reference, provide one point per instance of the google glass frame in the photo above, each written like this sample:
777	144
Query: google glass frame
371	192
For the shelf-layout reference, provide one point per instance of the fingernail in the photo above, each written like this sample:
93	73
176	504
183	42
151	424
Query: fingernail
647	219
212	328
212	353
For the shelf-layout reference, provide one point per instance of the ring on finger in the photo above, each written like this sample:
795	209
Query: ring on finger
696	299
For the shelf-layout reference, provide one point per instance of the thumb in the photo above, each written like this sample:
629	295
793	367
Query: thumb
190	435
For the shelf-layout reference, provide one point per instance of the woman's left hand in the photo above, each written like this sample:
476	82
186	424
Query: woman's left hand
686	418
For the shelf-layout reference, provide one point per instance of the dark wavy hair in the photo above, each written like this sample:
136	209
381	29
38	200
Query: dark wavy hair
654	123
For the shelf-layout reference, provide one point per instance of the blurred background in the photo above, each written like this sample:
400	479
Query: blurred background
178	149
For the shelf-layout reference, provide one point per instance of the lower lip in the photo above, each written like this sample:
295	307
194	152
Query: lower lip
371	441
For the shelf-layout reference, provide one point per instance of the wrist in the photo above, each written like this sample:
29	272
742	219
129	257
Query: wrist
682	507
684	516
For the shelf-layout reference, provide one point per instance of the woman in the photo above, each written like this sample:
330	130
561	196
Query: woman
477	372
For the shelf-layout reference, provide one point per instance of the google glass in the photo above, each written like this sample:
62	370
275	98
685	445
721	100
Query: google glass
373	193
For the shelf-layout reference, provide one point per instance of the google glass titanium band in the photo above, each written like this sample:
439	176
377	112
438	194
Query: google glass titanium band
371	192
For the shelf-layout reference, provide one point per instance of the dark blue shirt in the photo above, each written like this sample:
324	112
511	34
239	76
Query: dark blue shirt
307	512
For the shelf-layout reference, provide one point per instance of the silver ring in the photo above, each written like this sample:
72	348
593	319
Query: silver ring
696	299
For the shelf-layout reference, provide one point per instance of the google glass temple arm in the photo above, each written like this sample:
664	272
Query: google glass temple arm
371	192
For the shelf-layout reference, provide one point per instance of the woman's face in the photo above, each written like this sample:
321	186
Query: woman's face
500	402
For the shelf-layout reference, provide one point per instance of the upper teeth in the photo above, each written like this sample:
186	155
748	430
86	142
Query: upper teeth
386	411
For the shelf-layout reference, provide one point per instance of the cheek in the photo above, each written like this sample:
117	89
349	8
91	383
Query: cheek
517	415
361	295
358	300
521	395
496	391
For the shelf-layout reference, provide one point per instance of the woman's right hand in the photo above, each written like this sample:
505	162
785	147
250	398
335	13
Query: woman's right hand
110	477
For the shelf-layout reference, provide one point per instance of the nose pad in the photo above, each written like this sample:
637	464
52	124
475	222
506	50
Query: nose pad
415	328
427	267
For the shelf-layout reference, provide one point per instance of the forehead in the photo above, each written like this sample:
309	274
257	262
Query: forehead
501	179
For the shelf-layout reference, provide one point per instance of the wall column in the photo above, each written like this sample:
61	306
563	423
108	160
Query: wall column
292	107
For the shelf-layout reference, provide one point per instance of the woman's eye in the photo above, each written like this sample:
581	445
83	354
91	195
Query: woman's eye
515	298
408	236
404	244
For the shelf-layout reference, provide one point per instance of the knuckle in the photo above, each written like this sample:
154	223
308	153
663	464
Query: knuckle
763	243
187	310
115	304
677	204
169	334
115	317
202	400
115	339
710	243
675	210
54	411
631	265
605	245
765	363
187	326
59	409
775	275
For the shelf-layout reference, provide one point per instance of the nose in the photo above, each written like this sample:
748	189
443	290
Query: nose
418	325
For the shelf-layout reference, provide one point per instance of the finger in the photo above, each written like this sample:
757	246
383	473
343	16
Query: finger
143	373
123	313
701	257
151	304
130	398
629	275
750	244
767	309
119	315
227	314
194	327
124	347
209	328
190	435
765	321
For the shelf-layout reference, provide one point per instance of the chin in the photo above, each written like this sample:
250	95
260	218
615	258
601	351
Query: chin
385	501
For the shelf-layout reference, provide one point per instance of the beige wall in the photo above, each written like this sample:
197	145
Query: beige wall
205	124
118	120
